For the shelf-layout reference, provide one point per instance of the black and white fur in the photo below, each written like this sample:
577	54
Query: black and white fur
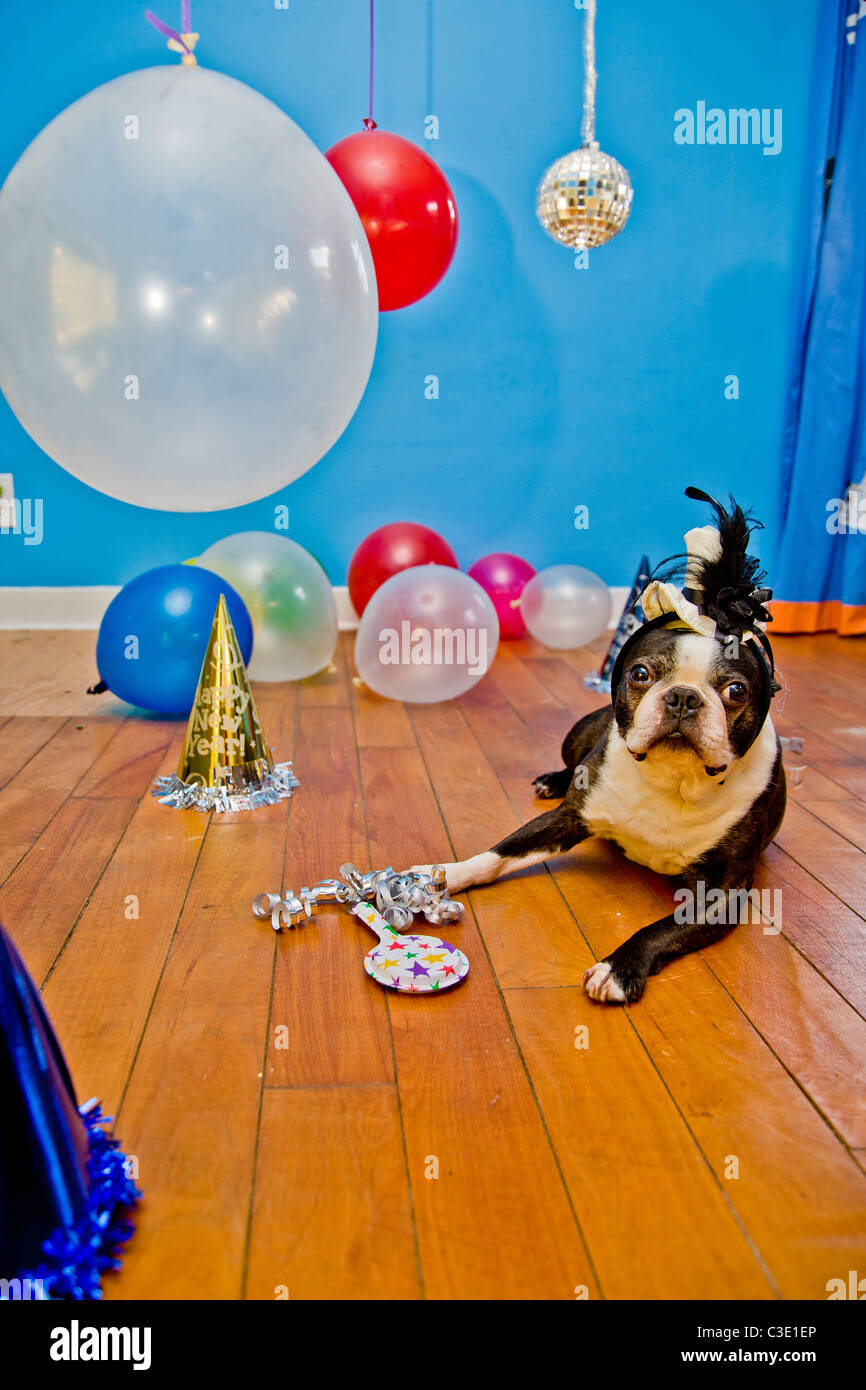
683	772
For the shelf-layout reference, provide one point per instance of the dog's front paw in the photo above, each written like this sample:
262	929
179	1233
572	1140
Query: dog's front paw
550	786
607	984
601	984
453	880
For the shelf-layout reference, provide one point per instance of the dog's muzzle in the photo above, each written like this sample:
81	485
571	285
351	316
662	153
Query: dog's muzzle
683	701
680	709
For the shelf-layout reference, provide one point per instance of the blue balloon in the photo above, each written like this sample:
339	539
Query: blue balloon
154	634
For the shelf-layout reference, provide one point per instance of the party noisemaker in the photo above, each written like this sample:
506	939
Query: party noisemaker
385	901
413	964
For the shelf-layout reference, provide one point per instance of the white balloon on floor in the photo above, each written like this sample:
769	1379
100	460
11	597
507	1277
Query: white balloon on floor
428	633
189	302
565	606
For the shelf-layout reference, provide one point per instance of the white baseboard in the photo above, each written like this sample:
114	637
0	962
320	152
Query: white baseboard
82	606
618	595
347	618
73	607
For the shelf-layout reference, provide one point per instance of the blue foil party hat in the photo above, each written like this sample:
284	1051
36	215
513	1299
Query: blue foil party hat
630	620
64	1184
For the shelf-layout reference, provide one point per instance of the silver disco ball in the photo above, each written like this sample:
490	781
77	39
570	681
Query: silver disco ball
584	198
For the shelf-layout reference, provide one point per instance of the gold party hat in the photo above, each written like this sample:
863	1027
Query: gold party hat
226	763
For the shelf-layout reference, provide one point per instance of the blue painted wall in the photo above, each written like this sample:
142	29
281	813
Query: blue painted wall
558	386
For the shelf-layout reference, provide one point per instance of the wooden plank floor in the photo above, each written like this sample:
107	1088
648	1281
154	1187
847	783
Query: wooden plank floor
299	1133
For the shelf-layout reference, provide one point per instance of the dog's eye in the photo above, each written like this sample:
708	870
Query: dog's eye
640	675
736	693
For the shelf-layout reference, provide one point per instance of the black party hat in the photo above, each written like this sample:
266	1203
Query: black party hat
63	1182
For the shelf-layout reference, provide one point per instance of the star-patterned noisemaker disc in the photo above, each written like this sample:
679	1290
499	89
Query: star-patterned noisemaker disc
411	964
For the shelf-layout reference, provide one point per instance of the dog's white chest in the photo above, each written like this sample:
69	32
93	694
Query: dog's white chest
667	824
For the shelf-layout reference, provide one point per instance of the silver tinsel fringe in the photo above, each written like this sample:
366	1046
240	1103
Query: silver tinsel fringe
398	896
277	785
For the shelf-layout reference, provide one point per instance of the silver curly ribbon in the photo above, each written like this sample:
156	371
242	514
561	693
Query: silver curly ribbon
398	896
277	785
590	76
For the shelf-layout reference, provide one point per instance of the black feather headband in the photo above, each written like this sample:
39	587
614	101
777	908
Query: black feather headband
729	587
723	592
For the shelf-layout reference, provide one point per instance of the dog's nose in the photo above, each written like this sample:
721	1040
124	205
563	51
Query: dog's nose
683	699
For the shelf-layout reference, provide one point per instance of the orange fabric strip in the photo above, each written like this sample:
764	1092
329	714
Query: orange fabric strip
828	615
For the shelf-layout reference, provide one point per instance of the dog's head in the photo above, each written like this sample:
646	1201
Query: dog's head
693	685
685	696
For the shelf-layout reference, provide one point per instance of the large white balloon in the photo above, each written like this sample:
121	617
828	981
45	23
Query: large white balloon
428	633
189	308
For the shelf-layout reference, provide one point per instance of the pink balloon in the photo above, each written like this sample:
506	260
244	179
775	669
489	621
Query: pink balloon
503	577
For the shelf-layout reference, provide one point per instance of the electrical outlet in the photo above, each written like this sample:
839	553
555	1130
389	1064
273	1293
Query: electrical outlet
7	501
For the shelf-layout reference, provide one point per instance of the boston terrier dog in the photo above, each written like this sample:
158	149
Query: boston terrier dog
683	772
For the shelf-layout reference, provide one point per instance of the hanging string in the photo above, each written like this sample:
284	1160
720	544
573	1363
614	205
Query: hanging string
369	123
183	42
589	75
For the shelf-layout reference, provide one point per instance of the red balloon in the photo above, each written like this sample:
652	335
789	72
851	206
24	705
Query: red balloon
504	578
399	546
407	208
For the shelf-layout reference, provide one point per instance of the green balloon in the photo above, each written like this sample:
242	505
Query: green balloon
289	598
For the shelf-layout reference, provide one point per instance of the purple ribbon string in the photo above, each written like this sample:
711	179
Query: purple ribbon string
370	124
186	22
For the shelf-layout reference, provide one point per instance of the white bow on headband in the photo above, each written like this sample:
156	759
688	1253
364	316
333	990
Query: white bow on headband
702	543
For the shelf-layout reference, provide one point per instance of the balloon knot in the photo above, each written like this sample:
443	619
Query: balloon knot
369	123
185	43
178	43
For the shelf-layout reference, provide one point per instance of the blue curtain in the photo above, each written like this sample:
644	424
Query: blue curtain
820	579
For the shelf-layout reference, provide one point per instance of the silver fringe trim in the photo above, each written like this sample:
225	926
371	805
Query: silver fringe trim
398	896
277	785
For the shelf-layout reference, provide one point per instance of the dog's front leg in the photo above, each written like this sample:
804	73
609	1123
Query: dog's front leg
620	978
710	909
552	833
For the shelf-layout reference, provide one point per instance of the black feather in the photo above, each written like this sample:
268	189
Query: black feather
732	591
